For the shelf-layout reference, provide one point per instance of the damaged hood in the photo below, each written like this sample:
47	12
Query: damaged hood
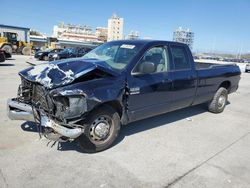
60	73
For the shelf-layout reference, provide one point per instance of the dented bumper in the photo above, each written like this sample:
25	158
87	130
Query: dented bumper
71	133
19	111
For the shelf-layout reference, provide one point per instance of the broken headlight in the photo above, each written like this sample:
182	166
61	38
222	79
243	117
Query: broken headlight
68	107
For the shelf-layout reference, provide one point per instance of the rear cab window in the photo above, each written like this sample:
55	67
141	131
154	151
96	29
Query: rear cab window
180	57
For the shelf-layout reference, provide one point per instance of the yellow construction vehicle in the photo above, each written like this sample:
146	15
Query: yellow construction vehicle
10	43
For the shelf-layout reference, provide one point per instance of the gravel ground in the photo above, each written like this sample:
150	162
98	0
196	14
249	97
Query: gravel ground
187	148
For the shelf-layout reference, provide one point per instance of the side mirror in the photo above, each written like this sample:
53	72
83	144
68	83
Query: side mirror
147	67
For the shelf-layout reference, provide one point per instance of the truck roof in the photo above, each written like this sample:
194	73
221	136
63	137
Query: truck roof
146	41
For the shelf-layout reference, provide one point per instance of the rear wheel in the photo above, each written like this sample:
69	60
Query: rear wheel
219	101
101	129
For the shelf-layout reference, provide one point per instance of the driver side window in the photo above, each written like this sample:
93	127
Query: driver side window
157	56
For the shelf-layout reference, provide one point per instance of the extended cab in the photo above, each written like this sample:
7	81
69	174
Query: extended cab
119	82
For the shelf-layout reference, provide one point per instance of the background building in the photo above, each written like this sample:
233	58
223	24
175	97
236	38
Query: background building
185	36
22	32
74	32
102	33
133	35
115	28
38	39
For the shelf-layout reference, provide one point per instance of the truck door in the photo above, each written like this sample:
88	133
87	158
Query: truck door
150	93
184	76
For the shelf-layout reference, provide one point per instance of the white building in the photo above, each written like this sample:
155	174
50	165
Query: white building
102	33
185	36
74	32
115	28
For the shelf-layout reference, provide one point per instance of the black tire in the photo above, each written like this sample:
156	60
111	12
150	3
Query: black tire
90	141
7	55
219	101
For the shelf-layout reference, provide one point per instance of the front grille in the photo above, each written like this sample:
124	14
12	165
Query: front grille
40	98
25	91
35	95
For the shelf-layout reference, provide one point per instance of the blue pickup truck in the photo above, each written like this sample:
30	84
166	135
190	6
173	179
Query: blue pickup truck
88	99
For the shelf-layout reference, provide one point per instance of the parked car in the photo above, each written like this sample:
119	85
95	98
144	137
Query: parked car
44	55
2	56
6	54
36	49
247	68
89	98
68	53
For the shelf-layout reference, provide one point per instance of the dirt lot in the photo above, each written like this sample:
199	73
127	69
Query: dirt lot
186	148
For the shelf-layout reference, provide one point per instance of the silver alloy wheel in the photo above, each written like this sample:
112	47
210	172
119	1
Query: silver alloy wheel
100	128
222	101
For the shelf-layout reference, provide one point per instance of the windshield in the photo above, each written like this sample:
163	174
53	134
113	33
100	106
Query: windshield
68	50
47	50
116	55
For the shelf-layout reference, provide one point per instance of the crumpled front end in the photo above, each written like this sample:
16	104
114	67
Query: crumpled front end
58	96
19	111
20	108
57	117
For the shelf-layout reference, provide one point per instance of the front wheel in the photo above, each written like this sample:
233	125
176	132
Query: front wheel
101	129
219	101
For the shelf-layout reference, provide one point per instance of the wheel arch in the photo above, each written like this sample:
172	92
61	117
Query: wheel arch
5	44
226	84
115	104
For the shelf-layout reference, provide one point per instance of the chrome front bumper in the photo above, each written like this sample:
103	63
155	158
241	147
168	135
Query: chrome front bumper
19	111
22	111
69	133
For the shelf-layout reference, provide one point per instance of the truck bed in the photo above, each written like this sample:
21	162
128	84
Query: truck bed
202	65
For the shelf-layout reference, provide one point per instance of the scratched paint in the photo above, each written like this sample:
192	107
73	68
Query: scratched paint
42	75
